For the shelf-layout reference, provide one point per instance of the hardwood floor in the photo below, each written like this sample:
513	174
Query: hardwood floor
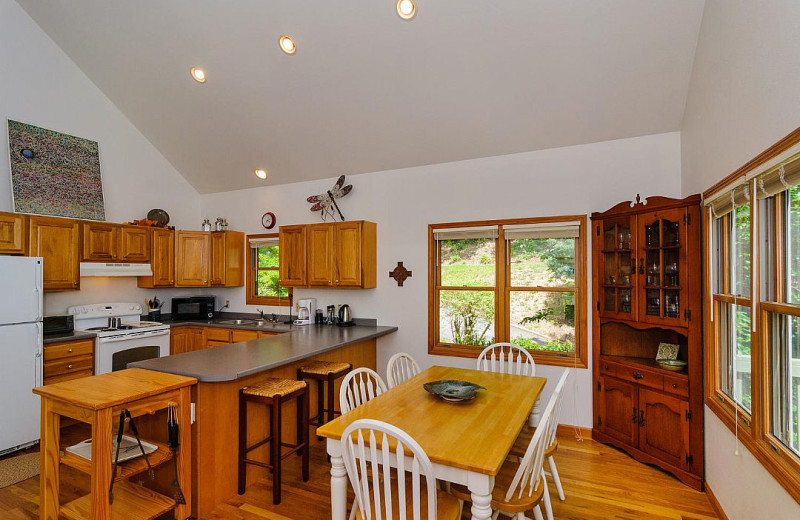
600	483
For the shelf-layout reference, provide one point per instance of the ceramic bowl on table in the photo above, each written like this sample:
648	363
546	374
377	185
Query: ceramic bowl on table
453	390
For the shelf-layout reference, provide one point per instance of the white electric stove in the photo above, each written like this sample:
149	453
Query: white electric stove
132	340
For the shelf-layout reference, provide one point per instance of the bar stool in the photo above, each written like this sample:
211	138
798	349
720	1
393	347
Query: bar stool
274	392
324	372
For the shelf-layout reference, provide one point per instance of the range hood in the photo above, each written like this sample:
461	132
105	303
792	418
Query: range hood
115	269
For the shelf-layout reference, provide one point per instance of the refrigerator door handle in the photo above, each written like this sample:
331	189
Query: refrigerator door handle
39	284
38	376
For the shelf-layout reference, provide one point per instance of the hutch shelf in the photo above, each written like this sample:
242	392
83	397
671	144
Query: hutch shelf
647	291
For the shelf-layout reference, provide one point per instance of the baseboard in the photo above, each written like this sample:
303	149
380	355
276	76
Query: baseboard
715	503
567	430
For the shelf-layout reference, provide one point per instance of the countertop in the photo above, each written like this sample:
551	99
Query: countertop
69	336
237	360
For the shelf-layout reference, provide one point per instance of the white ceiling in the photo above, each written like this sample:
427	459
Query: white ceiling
367	91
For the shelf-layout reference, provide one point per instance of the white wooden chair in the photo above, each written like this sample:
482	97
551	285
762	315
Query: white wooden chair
401	366
520	486
358	387
524	438
371	449
508	358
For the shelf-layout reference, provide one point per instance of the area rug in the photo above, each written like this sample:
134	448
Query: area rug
19	468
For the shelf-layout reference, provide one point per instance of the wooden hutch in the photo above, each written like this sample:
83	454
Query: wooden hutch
647	290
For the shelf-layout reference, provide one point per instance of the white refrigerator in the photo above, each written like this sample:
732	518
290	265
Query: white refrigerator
20	350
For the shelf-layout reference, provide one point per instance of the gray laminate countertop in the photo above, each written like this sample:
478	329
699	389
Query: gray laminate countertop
237	360
75	335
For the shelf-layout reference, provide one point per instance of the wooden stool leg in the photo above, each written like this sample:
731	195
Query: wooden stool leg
331	394
242	442
275	448
320	419
303	420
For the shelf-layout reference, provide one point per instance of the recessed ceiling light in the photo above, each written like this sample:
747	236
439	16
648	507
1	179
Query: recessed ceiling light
406	9
262	174
287	45
198	74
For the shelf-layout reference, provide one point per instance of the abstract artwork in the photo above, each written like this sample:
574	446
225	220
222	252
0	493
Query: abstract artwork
54	173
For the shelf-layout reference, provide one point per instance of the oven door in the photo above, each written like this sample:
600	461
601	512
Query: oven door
113	353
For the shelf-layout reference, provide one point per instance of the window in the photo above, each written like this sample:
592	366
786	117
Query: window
520	281
753	348
263	286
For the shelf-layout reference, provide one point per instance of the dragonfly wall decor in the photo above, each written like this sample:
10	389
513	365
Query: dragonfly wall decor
326	202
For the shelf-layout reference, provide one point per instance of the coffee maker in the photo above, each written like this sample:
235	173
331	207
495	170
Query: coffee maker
306	308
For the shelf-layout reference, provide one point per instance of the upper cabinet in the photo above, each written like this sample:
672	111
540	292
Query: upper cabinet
105	242
192	258
12	234
227	258
57	241
337	254
292	256
163	260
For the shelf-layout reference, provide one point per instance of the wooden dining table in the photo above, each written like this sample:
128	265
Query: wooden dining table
467	442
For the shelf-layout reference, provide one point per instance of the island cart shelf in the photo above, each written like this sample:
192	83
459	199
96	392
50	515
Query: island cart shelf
98	401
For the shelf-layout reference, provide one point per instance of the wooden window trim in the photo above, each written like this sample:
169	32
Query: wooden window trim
501	290
754	430
252	298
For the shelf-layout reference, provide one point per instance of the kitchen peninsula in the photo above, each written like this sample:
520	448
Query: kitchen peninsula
222	371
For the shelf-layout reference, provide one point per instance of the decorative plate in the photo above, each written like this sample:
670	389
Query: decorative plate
160	216
676	365
453	390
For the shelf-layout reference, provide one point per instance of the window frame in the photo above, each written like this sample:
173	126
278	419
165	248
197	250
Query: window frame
502	291
755	430
252	267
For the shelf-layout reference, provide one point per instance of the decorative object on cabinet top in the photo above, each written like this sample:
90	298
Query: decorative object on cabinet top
325	203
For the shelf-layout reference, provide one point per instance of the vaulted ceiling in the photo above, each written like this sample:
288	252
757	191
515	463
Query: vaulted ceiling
367	91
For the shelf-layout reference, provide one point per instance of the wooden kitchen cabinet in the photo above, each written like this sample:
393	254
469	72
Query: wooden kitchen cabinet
67	360
227	259
162	260
134	244
238	335
647	291
57	241
192	258
187	339
338	254
12	233
292	256
100	242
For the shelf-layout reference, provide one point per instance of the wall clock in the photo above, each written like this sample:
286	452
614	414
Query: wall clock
268	220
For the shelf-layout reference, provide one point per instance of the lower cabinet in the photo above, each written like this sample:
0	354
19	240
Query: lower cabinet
188	339
650	421
66	360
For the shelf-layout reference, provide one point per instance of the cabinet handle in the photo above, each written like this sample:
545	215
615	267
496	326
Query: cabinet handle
641	266
637	376
69	351
674	385
641	418
605	367
633	417
69	367
75	284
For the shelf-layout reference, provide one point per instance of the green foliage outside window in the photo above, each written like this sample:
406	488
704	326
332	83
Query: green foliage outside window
267	284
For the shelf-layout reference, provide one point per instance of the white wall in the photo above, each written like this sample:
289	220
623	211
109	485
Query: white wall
40	85
571	180
743	97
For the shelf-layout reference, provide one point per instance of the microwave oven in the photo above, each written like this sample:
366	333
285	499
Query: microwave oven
193	308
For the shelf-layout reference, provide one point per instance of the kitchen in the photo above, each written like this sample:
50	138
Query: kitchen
403	198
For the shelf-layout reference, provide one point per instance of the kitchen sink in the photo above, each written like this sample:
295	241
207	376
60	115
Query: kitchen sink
241	322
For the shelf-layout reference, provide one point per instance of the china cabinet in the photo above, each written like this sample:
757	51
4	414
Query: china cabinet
647	292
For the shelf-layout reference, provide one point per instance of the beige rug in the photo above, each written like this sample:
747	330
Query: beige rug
19	468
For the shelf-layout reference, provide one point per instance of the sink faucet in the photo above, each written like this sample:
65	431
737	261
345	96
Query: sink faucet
274	318
261	312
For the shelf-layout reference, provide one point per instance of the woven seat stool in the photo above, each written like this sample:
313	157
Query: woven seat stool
324	372
274	392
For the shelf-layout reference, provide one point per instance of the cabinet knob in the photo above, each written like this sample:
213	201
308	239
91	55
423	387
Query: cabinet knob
69	351
69	366
605	367
75	284
637	376
674	385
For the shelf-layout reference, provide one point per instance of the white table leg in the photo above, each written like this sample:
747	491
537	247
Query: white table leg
480	487
338	481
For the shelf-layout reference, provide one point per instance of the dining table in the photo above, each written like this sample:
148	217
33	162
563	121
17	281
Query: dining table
466	441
